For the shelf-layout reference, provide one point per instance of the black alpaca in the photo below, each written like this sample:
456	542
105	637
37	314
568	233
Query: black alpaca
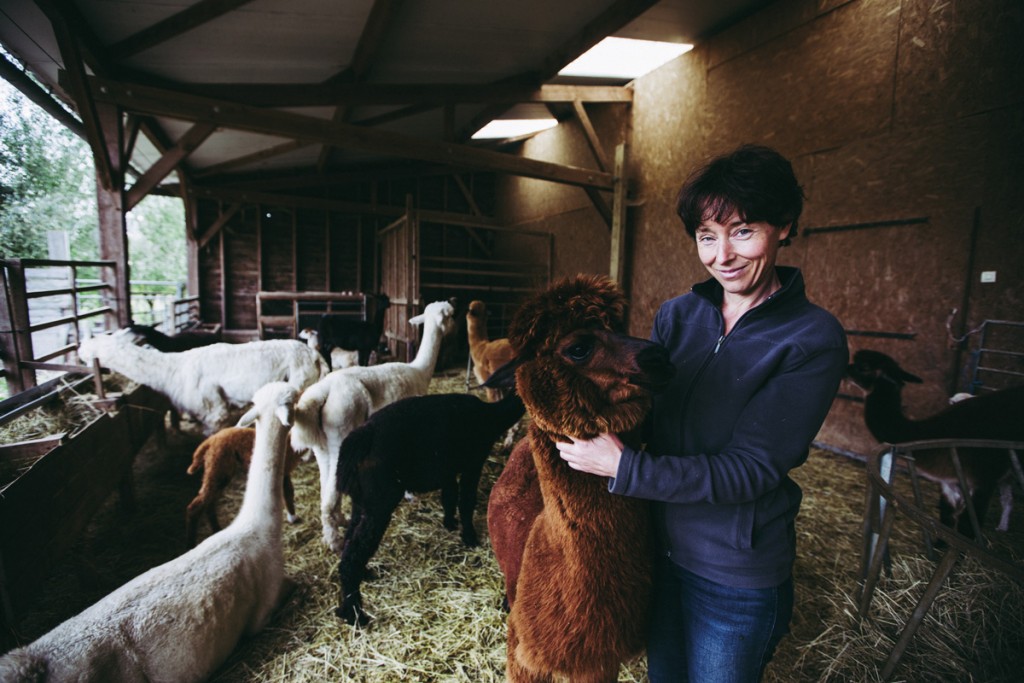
353	335
418	444
182	341
997	415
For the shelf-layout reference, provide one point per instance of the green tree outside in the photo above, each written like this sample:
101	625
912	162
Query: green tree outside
47	182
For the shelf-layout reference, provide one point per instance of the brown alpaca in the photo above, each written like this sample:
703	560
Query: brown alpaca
218	457
514	503
487	355
581	599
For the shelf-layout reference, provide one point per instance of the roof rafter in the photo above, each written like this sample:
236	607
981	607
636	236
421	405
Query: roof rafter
608	22
382	16
401	94
198	14
168	161
299	127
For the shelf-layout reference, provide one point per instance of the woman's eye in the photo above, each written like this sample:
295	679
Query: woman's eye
578	353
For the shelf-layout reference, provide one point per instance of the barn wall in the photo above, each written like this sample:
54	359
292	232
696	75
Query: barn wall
581	237
303	243
904	123
278	248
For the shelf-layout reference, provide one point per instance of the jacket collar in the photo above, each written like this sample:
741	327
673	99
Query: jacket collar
792	286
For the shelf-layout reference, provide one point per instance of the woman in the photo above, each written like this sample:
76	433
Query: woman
757	368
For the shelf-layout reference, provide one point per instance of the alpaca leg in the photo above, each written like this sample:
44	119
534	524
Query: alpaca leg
600	675
217	414
205	503
951	504
360	546
980	500
289	499
468	484
1006	502
353	524
211	516
194	509
449	501
515	672
329	501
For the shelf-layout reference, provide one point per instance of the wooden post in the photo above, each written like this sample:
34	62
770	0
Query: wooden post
110	203
15	339
618	247
412	274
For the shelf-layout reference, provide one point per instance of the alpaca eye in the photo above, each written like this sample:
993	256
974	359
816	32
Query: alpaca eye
578	353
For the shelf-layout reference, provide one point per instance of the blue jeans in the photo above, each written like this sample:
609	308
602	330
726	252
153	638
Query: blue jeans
705	632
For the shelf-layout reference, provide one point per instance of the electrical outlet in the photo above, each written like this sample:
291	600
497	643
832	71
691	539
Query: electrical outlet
988	276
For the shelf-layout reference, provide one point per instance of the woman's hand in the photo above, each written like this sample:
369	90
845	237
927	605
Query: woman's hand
599	455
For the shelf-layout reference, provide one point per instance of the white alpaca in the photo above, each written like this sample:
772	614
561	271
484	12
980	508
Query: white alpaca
330	409
210	383
180	621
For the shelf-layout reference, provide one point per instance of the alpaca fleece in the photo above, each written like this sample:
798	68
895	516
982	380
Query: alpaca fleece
582	595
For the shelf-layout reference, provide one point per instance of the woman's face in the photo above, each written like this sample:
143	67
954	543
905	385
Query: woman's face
741	256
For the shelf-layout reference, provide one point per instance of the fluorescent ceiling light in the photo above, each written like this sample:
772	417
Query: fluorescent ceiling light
624	58
513	128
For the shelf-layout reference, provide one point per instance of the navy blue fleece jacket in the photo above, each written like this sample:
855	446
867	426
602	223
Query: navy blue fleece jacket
740	413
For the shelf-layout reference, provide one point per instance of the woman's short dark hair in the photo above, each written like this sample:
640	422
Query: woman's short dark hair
754	181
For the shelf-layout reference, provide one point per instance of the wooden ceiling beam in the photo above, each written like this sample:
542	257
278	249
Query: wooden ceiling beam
222	220
198	14
275	199
289	179
92	50
245	160
32	90
380	19
109	171
299	127
168	161
402	94
591	133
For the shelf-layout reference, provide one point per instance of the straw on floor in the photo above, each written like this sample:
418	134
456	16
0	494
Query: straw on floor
437	605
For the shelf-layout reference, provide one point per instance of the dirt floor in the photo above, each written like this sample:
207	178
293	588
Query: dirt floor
437	605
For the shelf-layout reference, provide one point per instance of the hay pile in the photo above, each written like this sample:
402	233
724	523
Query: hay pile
437	606
69	413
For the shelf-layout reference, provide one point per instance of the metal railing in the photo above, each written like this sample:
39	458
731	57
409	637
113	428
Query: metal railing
48	306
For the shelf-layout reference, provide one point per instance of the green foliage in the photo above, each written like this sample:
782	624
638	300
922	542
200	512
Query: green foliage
156	239
47	182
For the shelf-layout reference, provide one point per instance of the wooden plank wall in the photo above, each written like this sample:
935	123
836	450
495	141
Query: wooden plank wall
306	245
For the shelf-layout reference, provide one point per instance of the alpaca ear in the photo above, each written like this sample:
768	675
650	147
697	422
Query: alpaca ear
284	414
505	376
908	377
248	418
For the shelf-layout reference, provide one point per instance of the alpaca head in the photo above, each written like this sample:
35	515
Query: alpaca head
276	398
104	345
437	315
869	368
476	311
576	371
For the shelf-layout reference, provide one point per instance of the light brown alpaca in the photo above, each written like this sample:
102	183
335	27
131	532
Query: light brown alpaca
219	457
488	355
582	594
